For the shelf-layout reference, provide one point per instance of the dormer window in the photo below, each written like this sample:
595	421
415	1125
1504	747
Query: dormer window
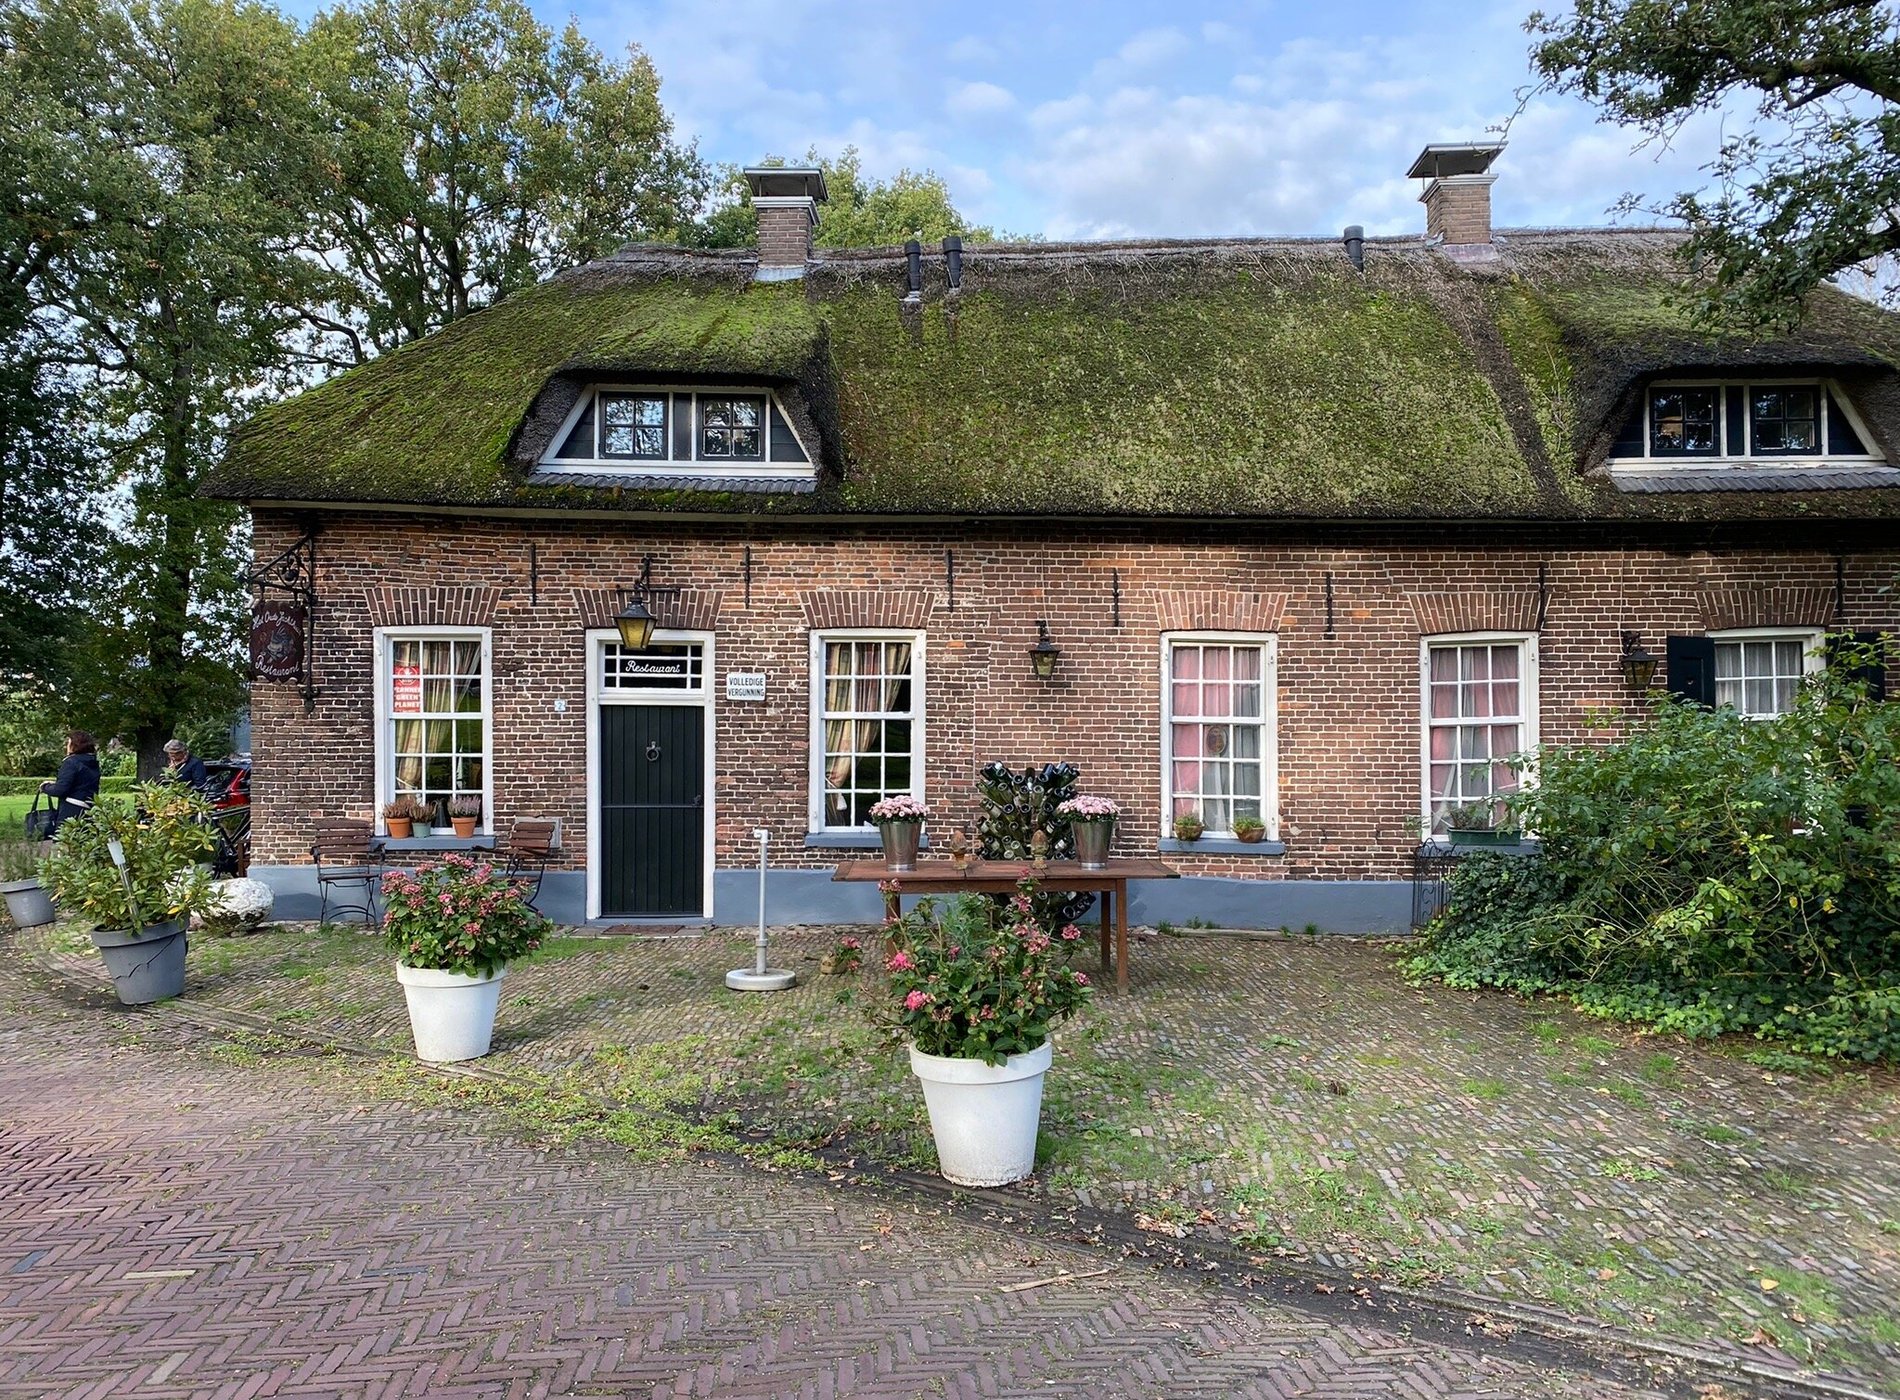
707	432
731	428
633	426
1714	424
1684	422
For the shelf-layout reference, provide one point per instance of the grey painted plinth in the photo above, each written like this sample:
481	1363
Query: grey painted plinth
812	897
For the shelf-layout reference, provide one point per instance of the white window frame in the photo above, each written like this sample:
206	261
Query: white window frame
1269	644
598	696
694	465
1813	659
919	669
386	715
1530	702
1722	457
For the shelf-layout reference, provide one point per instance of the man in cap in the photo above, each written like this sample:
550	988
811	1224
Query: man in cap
182	767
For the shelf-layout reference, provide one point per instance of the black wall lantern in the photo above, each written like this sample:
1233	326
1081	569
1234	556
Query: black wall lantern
1639	667
635	619
1044	655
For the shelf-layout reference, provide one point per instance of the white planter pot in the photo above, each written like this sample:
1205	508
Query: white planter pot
984	1117
451	1015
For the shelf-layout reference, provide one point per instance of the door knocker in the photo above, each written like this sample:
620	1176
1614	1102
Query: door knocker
653	751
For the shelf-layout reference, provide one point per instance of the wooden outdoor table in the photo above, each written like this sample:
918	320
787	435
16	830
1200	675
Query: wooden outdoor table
1002	877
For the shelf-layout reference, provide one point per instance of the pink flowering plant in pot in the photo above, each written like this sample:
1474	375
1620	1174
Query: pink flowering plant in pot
976	990
1091	826
454	926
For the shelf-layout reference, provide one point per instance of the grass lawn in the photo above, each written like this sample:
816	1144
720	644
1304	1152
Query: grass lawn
13	812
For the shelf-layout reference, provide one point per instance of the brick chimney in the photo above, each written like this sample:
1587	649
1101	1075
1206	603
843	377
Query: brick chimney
1457	196
787	200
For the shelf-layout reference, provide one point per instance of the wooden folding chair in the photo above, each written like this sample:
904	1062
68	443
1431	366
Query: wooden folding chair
533	842
348	863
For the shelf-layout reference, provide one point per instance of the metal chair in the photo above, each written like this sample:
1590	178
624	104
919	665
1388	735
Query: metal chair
347	860
533	842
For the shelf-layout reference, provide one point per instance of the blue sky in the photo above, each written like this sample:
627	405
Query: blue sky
1089	121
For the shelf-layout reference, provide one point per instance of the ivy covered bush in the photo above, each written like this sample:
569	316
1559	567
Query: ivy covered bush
1704	873
1018	805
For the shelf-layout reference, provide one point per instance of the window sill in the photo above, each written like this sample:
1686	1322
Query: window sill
478	842
1220	846
1439	846
853	841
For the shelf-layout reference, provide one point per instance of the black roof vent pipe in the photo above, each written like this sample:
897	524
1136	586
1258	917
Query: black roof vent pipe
914	273
1355	241
953	260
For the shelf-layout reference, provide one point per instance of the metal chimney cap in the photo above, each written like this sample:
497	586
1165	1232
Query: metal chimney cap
794	181
1454	158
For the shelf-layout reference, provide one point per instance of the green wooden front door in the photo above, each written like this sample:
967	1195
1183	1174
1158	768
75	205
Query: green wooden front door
652	811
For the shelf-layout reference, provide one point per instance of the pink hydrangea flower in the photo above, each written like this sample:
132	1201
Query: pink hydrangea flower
916	1001
901	962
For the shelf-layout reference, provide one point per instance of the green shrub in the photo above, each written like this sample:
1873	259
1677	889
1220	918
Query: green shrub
165	838
1018	805
1704	873
26	787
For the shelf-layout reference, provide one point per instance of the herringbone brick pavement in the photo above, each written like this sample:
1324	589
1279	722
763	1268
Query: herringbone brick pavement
174	1223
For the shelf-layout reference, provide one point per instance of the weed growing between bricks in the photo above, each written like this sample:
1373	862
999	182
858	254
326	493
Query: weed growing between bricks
1279	1104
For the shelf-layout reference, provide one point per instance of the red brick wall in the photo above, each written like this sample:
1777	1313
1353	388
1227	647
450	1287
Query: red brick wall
1348	699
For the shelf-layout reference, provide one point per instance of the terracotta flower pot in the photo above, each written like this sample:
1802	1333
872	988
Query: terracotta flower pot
399	828
464	826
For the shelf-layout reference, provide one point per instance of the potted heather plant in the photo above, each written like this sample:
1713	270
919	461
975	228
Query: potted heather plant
421	817
454	926
137	874
464	812
900	825
976	991
1091	827
399	818
1189	826
28	903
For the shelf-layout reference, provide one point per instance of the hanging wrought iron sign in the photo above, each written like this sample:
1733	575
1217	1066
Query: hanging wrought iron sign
277	638
284	617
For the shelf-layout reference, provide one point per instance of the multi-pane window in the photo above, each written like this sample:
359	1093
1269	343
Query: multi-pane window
868	711
1785	420
437	721
1684	422
728	431
1720	424
1760	676
1479	706
633	425
731	428
1218	724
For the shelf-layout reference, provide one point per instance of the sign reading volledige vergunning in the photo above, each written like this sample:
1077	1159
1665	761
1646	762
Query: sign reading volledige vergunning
745	685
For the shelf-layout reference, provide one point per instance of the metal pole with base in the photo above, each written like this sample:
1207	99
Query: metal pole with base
116	849
759	977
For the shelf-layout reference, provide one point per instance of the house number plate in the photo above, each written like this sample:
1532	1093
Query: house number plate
745	685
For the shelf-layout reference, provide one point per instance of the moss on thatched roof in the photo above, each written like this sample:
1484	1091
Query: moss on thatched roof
1251	378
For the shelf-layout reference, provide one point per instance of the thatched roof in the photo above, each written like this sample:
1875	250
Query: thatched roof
1258	378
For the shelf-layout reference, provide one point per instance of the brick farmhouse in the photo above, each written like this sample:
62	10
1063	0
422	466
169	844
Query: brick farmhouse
1324	530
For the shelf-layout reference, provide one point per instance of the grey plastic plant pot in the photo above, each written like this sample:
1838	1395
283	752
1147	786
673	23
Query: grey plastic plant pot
145	967
28	903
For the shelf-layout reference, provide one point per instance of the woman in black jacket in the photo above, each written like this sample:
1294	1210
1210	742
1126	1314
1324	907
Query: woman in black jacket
77	786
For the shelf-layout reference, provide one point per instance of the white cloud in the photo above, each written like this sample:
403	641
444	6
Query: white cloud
970	49
979	100
1148	49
